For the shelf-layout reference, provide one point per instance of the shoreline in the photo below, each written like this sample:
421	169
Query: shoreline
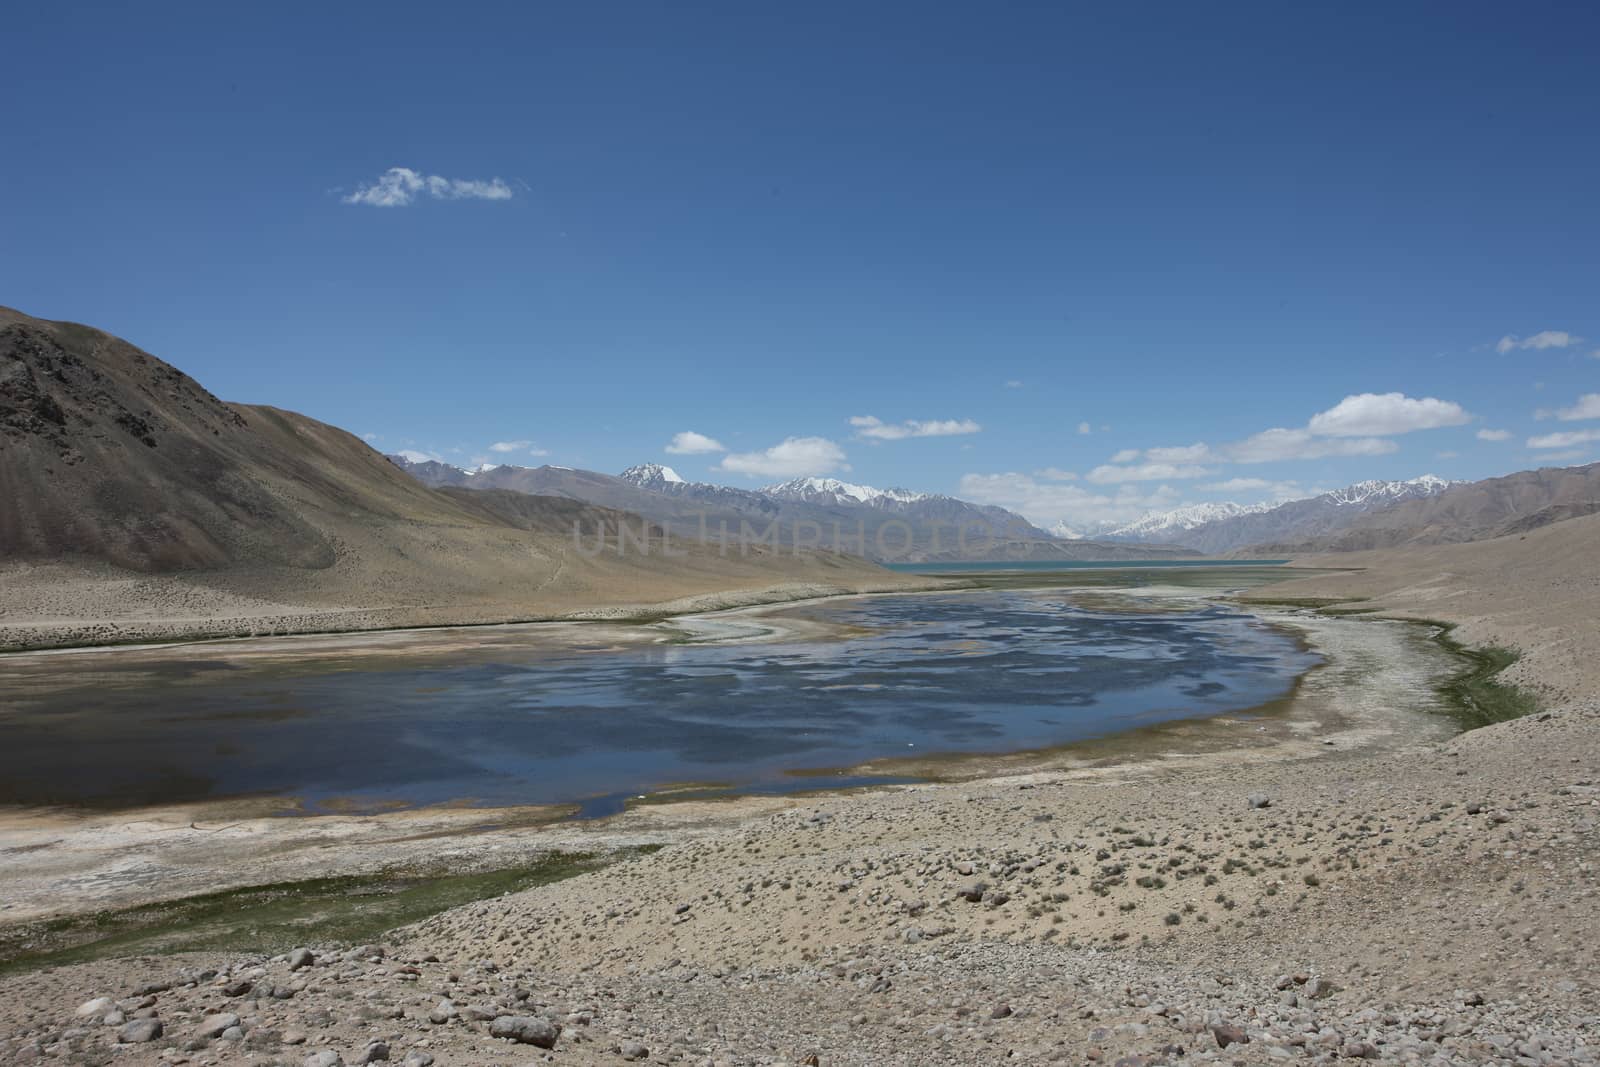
163	634
116	858
1391	897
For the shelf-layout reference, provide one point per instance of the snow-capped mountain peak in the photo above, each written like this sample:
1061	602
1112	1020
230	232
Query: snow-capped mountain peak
834	491
1186	518
651	476
1376	491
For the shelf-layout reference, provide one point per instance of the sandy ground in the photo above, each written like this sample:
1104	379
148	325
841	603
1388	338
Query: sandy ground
1538	593
1397	895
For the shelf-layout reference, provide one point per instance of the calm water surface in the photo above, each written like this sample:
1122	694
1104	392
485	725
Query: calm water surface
982	672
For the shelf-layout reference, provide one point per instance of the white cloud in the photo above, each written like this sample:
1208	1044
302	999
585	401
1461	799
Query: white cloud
1127	455
1239	485
1564	440
1562	457
399	186
1056	474
1587	407
1049	504
1494	435
1014	384
419	457
370	437
1385	414
1447	454
1085	429
795	457
1541	340
1109	474
1276	445
1195	453
503	447
875	428
689	443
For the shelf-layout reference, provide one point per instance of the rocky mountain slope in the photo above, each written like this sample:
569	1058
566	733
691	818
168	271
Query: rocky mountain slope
142	506
893	526
1463	512
1217	529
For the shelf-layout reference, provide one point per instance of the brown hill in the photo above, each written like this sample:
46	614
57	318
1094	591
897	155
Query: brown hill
1494	507
143	506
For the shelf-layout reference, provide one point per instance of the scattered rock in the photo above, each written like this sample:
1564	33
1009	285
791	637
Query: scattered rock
1228	1034
139	1031
95	1008
526	1029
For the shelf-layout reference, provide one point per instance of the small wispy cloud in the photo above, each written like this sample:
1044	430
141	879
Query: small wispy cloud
518	446
1056	474
1085	429
1587	407
794	457
1111	474
1565	439
689	443
1494	435
400	186
1541	340
414	456
874	428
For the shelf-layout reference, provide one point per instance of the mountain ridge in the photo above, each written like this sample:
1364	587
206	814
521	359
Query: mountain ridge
885	525
1224	528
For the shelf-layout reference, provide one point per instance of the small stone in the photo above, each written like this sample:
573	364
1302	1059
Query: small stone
417	1058
632	1050
325	1058
217	1025
1259	800
376	1052
301	958
294	1037
971	891
1000	1011
526	1030
236	989
1228	1034
93	1008
442	1013
139	1031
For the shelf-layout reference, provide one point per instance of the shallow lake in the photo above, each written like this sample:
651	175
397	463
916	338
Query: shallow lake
916	675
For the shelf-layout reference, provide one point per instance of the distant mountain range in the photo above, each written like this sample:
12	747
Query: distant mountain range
1377	514
1218	529
141	506
1461	511
886	525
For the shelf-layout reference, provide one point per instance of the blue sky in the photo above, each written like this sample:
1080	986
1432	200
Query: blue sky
1031	241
